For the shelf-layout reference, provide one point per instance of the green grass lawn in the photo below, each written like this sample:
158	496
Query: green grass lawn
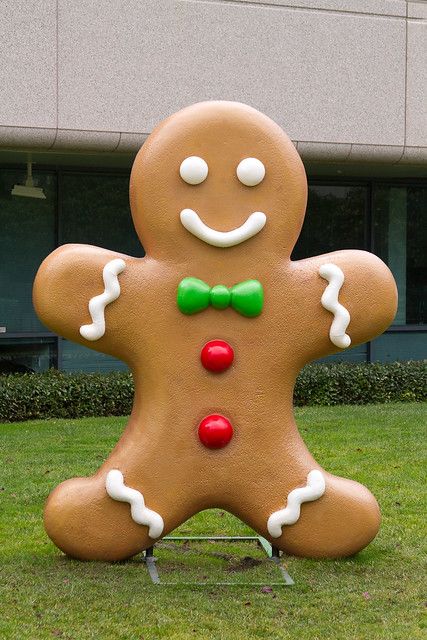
377	595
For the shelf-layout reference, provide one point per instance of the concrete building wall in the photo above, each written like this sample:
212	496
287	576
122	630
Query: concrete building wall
345	78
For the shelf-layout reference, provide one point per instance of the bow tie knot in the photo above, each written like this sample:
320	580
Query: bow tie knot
246	297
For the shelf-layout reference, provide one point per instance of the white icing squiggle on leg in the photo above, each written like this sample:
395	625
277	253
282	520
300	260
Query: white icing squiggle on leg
329	300
117	490
97	304
314	489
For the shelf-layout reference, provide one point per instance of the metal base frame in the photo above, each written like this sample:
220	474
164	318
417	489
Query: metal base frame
272	553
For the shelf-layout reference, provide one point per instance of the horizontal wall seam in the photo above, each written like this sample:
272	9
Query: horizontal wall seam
15	138
103	131
147	133
270	5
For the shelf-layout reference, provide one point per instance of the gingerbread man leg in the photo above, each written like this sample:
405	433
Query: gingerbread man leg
316	515
80	519
119	511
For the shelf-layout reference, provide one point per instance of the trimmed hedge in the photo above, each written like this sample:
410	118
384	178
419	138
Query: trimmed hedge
343	383
54	394
61	395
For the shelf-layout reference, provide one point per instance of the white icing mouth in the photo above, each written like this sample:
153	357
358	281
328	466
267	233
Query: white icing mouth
248	229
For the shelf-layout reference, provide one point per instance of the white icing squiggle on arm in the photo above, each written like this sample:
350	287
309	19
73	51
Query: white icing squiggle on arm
117	490
314	489
97	304
329	300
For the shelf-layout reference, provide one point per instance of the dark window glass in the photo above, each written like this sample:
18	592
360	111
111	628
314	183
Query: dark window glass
400	239
335	219
27	237
95	210
27	355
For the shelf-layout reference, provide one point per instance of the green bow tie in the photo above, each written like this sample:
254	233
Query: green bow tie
246	298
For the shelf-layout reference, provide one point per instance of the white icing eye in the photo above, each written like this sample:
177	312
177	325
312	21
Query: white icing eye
193	170
250	171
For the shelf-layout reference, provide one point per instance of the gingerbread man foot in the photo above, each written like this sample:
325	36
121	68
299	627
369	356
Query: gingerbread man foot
339	522
85	523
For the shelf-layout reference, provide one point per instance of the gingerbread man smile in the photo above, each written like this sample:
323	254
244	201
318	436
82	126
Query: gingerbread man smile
194	225
214	345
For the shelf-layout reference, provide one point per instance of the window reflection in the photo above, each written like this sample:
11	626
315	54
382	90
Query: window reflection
335	219
400	239
27	355
95	210
27	236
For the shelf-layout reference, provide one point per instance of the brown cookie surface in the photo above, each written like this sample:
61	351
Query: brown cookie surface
218	195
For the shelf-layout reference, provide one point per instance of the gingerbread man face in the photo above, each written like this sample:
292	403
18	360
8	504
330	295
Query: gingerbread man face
223	173
215	322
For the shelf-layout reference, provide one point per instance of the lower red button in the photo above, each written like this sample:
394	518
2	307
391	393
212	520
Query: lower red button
215	431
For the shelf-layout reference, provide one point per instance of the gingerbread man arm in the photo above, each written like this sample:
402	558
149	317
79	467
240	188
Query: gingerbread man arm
77	293
352	293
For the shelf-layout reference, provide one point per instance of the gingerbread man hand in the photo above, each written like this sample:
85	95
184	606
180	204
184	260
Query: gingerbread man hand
215	323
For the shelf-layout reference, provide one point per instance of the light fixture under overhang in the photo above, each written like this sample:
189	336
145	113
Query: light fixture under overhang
28	189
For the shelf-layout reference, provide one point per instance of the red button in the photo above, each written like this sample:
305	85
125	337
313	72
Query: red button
215	431
217	356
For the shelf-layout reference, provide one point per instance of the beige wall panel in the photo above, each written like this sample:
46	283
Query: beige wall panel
26	137
130	142
375	153
416	106
28	63
324	151
417	9
86	140
414	155
378	7
324	76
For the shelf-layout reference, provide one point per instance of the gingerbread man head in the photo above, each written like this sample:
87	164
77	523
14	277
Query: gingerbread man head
216	175
215	323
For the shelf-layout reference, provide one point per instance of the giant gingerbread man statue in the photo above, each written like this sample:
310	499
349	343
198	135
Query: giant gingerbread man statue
215	323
